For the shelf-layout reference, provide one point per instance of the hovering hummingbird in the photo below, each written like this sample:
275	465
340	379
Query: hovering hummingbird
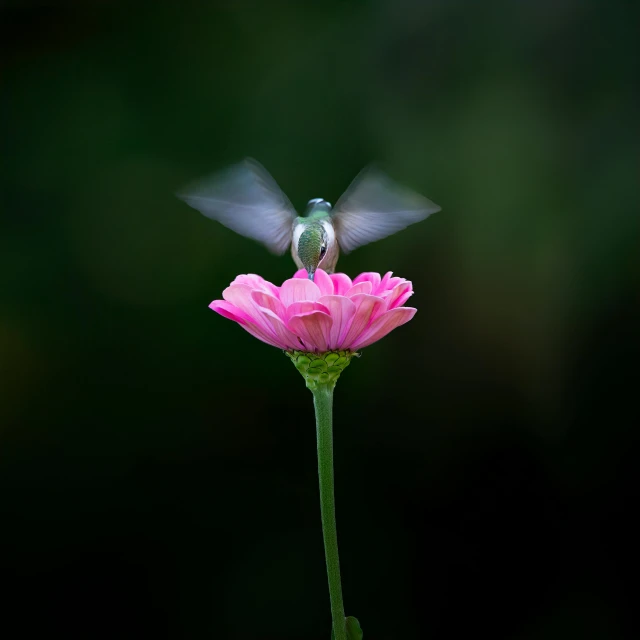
247	199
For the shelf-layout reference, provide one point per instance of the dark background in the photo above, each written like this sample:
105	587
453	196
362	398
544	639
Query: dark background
157	464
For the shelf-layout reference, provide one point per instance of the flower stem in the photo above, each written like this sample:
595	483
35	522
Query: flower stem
323	403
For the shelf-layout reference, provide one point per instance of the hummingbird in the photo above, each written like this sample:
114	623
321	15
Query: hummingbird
246	199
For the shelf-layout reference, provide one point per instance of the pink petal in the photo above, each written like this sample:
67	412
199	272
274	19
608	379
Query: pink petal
298	308
392	284
320	278
342	311
240	296
230	311
324	282
341	283
257	282
361	287
314	328
369	276
382	325
285	337
366	308
399	295
297	290
385	279
259	333
267	301
402	299
227	310
251	279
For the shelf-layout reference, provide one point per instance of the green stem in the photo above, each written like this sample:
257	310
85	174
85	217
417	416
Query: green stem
323	403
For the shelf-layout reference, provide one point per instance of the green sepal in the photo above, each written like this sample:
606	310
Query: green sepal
354	632
321	368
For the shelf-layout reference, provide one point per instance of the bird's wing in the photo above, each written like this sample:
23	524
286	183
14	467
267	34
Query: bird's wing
246	199
374	207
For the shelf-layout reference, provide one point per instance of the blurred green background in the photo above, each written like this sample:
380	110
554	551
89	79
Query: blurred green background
486	454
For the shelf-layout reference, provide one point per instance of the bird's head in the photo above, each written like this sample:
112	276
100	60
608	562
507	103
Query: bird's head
317	207
312	247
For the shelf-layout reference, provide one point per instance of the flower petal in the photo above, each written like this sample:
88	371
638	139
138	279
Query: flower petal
285	337
369	276
402	299
257	282
366	308
385	279
321	278
341	283
270	302
382	325
324	282
342	311
297	290
399	295
228	310
361	287
239	295
298	308
259	333
314	328
392	284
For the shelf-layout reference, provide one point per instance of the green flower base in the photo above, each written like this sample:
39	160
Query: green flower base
321	368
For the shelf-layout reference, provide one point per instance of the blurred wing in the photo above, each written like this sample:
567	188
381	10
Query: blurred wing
374	207
246	199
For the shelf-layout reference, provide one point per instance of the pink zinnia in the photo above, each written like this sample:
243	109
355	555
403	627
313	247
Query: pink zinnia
329	313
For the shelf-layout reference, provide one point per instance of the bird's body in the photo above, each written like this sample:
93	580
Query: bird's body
319	229
245	198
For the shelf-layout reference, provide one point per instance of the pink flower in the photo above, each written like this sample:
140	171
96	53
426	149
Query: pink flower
331	312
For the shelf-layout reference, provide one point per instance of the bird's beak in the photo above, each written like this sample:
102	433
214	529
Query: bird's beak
311	273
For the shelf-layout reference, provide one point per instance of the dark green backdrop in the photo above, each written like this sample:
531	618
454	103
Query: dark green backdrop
485	452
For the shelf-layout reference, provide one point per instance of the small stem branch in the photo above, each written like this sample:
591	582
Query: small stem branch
323	403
